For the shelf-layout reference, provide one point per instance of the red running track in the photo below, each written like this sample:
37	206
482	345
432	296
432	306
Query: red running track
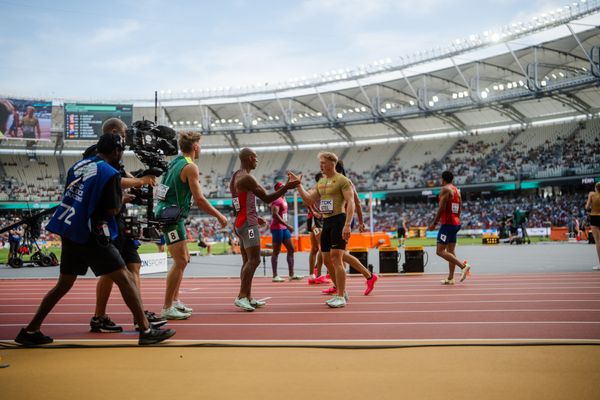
527	306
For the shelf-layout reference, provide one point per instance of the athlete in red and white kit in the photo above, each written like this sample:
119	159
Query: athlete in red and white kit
244	191
449	215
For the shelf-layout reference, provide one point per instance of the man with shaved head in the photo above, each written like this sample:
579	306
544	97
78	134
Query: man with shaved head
244	191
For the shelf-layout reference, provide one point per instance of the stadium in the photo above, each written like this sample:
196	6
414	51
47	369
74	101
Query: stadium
513	113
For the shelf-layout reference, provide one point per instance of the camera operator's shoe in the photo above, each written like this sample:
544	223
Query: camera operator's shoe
104	324
154	320
178	304
154	336
173	313
32	339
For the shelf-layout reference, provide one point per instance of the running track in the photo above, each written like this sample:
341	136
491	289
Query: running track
525	306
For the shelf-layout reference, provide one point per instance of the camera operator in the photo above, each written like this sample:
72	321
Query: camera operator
179	185
85	221
127	247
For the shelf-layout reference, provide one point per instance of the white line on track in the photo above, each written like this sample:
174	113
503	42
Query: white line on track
267	312
154	305
278	324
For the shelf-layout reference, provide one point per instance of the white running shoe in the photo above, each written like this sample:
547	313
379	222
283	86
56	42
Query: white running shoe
466	271
277	279
448	281
336	302
244	304
178	304
173	313
296	277
257	303
596	268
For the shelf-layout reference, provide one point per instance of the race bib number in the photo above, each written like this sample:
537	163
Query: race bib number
455	208
251	233
236	204
161	191
284	217
443	238
326	206
173	236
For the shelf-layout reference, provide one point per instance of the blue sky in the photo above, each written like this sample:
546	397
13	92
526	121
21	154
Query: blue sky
126	49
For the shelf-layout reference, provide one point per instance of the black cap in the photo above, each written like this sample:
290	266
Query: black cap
109	142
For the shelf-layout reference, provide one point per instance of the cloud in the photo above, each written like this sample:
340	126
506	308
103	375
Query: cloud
113	33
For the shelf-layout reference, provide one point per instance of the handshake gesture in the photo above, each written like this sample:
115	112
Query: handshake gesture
293	181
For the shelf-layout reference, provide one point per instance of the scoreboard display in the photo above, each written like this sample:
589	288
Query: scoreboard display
84	121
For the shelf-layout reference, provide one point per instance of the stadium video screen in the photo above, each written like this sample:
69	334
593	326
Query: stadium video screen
84	121
25	119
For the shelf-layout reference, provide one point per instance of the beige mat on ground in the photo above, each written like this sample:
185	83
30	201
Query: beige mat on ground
556	372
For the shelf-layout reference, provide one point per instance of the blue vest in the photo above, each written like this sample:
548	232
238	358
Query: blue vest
85	182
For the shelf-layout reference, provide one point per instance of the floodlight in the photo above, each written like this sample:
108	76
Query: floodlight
431	103
435	99
484	94
340	115
454	95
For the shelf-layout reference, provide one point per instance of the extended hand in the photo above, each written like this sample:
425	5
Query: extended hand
261	221
362	228
291	228
148	180
293	180
128	197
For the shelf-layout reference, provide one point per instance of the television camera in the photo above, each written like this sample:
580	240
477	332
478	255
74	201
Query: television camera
151	144
32	227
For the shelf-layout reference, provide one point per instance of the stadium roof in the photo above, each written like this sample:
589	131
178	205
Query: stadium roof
546	70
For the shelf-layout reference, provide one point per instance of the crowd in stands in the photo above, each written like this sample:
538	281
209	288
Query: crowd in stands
489	213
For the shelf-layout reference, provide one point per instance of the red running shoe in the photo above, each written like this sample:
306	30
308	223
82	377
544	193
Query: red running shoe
331	290
314	281
324	279
371	284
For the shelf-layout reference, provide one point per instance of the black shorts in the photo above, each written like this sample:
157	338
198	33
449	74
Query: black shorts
331	236
595	220
317	222
76	258
401	232
128	250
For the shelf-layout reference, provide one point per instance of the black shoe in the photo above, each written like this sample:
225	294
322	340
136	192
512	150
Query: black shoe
32	339
104	325
154	320
154	336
